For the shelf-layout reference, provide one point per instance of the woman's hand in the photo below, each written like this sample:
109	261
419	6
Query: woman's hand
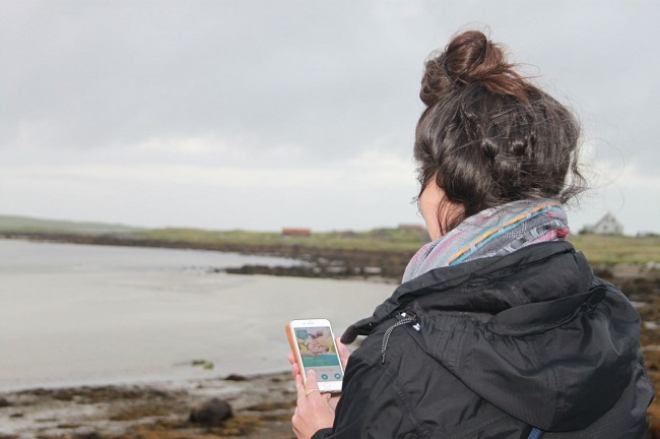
343	352
313	410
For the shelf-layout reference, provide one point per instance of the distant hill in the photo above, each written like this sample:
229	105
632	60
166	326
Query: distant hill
19	224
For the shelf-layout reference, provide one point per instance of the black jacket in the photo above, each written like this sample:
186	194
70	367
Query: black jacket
490	348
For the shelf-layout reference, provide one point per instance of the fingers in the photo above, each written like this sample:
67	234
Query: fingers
300	387
307	390
333	401
343	352
311	383
314	411
295	369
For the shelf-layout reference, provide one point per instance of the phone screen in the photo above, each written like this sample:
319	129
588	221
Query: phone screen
317	351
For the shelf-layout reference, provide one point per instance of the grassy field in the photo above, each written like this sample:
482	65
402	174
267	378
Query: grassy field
601	249
377	239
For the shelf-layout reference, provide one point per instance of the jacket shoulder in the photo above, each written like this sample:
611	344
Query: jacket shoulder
433	401
370	406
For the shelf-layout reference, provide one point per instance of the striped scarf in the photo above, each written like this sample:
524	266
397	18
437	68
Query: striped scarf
493	232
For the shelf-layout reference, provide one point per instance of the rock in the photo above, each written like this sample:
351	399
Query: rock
235	377
211	413
5	403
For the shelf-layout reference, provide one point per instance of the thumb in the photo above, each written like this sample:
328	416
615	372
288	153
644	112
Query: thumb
343	352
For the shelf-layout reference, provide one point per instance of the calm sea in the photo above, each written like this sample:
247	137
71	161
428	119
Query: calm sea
84	314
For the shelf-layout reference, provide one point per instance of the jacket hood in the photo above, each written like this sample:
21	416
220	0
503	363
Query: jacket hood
534	333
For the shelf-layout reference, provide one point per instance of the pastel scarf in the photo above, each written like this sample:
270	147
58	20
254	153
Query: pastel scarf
493	232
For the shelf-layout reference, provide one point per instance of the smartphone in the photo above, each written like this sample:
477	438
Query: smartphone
313	345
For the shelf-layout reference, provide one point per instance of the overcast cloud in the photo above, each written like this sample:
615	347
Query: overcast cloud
267	114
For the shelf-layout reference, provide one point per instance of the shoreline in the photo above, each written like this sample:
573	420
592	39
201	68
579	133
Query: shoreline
378	265
137	380
326	263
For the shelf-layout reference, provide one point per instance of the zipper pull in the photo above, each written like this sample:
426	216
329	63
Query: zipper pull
407	318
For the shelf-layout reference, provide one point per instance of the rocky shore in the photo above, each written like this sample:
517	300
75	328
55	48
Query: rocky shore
260	407
643	289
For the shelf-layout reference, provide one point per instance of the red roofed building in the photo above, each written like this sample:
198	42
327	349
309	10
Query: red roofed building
296	232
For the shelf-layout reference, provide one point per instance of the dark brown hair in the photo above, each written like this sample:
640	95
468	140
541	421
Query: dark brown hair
488	136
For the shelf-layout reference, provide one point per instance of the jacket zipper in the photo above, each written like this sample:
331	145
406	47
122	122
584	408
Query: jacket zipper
386	338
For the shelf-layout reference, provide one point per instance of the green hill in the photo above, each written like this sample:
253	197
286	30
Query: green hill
23	224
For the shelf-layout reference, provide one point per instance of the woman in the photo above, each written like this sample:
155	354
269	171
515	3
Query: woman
499	329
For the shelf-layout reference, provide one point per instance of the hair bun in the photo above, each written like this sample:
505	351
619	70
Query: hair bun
470	57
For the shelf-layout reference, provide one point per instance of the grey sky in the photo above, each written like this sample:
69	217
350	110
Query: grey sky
264	114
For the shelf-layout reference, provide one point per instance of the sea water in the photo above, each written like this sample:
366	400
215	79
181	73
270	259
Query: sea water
86	314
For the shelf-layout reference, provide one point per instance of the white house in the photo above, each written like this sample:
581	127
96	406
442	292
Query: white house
608	225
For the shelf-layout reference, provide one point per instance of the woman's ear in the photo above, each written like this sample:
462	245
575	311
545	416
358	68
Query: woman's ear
429	206
438	211
448	214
